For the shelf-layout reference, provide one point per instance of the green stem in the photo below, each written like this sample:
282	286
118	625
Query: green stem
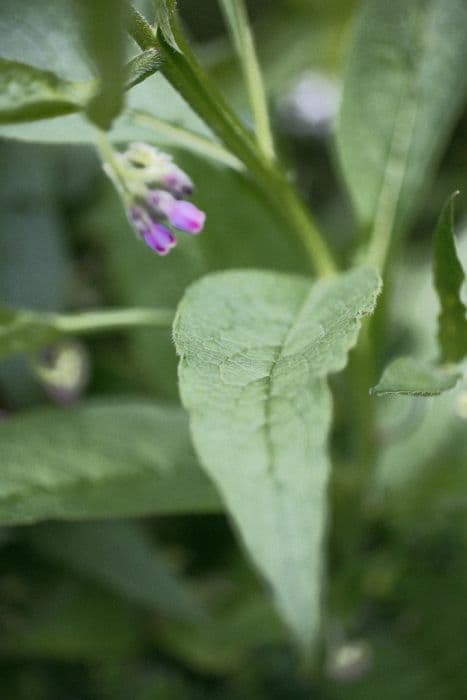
107	154
183	71
237	20
101	321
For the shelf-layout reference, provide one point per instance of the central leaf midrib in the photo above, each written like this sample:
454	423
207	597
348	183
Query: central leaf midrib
270	449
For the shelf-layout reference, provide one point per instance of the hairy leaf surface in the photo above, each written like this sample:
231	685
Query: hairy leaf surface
255	349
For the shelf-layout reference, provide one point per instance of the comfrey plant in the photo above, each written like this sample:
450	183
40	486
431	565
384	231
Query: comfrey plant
303	375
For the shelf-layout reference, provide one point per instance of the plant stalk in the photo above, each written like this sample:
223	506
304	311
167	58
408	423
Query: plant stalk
183	71
237	20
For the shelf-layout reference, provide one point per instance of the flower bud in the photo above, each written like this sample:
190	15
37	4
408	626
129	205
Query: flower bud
152	187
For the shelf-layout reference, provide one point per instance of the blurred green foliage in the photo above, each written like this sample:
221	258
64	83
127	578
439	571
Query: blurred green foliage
166	608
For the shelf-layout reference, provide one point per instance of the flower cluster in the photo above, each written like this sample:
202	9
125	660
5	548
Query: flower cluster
153	188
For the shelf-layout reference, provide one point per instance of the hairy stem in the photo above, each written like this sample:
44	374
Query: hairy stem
101	321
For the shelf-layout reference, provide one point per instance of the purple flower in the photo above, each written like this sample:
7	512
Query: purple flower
177	181
160	238
153	187
155	235
180	213
187	217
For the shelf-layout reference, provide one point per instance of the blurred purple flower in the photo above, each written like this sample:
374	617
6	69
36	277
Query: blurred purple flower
152	187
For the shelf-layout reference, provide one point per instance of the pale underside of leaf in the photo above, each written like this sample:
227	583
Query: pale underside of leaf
409	376
255	349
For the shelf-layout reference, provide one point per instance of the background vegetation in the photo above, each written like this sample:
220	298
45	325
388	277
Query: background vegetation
167	605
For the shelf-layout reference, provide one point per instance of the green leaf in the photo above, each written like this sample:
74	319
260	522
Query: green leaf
154	97
449	278
104	24
165	10
28	93
99	460
404	88
119	556
407	375
255	349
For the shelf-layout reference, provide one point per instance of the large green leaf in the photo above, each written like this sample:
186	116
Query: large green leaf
404	87
449	278
99	459
255	349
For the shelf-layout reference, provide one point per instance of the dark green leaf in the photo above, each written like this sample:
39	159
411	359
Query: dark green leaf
407	375
120	557
255	349
98	460
70	621
449	277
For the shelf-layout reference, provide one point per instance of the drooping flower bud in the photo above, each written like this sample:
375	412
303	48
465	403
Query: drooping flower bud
152	187
63	370
180	213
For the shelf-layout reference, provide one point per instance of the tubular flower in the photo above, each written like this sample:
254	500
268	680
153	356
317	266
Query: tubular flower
153	189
